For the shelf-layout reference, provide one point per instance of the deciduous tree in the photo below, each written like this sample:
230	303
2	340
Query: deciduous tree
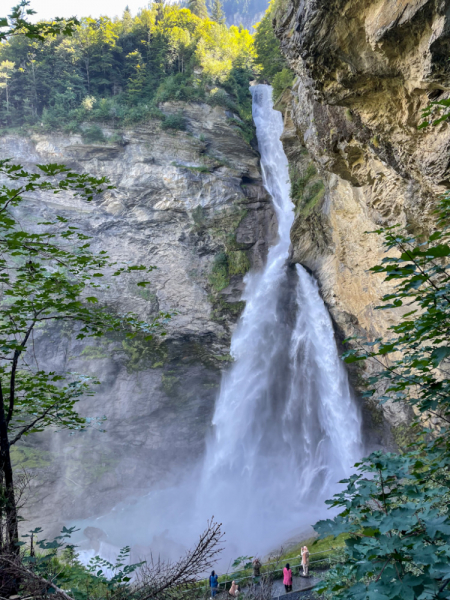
49	276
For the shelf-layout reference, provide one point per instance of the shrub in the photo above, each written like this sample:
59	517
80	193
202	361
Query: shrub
176	121
179	87
281	81
116	138
72	127
134	114
219	97
93	134
299	181
238	263
218	277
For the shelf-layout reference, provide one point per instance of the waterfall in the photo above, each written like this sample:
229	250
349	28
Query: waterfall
286	427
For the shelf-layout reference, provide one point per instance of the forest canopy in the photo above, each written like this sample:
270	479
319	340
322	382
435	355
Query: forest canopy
119	70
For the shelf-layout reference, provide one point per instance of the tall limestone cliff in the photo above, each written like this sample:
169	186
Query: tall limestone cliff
191	203
365	70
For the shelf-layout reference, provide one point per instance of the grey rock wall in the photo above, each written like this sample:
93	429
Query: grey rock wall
365	70
181	199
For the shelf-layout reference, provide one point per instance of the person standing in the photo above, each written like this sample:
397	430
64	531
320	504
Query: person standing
256	570
234	590
287	578
305	560
213	583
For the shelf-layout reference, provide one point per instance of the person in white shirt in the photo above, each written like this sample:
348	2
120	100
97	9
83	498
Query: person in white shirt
305	560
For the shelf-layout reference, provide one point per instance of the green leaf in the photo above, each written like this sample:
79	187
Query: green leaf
439	354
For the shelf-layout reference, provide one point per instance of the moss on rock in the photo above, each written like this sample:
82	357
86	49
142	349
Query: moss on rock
94	352
238	262
24	457
143	354
307	189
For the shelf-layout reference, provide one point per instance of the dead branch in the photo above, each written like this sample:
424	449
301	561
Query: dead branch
159	579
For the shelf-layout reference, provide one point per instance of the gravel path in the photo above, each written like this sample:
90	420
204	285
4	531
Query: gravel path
299	587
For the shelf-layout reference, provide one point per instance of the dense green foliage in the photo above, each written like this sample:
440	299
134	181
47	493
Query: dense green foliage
281	81
267	47
272	64
396	508
118	71
56	562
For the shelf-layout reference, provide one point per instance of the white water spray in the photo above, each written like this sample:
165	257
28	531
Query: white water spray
286	427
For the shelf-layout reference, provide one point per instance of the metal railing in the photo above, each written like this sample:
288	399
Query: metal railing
224	585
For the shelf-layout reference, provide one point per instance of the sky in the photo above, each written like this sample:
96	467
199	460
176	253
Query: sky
47	9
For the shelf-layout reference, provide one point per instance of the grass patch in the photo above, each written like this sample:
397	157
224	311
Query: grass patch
320	550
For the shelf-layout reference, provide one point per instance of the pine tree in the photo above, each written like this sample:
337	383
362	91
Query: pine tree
198	7
217	13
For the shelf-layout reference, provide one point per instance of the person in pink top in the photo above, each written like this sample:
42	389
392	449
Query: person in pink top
287	578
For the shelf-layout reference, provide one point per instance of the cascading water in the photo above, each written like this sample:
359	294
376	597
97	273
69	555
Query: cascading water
286	427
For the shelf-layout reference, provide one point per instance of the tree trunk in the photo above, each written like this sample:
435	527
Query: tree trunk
10	508
35	102
86	62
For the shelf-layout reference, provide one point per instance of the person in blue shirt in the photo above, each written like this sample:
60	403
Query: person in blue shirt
213	583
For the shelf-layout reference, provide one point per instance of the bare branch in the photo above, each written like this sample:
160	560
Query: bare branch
158	577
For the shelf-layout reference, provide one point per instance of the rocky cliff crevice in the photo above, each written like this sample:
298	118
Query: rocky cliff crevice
365	70
191	203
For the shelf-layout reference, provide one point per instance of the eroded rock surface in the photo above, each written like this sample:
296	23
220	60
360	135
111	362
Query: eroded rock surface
182	199
365	70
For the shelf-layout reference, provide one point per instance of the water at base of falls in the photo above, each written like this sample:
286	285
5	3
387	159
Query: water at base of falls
286	427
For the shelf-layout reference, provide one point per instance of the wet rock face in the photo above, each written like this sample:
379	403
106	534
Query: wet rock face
366	69
180	197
